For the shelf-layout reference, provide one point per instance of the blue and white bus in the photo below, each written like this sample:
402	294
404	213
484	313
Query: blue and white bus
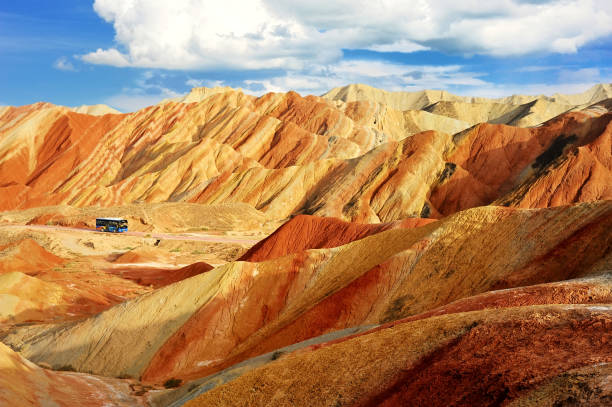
116	225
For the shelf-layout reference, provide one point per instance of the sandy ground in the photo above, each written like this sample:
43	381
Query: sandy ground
90	271
171	249
206	237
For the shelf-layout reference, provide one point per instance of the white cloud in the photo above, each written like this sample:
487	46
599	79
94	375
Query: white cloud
110	57
537	68
196	83
498	91
398	46
126	102
146	91
63	64
257	34
580	75
385	75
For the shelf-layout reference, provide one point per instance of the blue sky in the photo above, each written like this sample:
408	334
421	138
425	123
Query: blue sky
133	53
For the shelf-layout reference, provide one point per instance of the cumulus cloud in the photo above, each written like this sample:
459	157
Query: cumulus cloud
63	64
381	74
196	83
261	34
580	75
147	90
404	46
498	91
107	57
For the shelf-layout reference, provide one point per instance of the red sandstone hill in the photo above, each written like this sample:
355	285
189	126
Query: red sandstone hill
305	232
479	358
27	256
285	154
213	320
516	301
501	297
157	277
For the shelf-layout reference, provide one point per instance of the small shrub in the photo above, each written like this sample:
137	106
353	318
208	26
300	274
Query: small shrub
172	383
277	355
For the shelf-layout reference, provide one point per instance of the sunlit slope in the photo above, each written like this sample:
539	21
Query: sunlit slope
285	154
214	320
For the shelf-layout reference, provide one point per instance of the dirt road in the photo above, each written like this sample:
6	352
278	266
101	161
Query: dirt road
160	236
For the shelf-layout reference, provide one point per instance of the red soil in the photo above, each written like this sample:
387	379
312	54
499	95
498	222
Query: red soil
490	160
305	232
485	358
497	362
157	278
28	257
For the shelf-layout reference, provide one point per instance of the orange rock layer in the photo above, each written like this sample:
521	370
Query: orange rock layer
23	384
479	358
286	154
213	320
305	232
34	286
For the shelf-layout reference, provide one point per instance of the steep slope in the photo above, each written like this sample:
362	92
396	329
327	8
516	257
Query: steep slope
516	110
216	319
395	100
592	95
159	277
22	383
432	175
51	155
38	285
27	256
198	94
552	162
477	358
25	298
305	232
286	154
524	115
592	290
577	167
388	183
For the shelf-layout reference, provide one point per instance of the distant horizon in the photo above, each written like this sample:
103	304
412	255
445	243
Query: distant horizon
320	95
132	55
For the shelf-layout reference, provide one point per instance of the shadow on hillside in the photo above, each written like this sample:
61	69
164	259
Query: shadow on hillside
422	283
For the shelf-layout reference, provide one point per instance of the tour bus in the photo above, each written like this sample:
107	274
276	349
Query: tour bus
116	225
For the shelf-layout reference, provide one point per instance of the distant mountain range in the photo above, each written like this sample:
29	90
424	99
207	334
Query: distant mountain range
357	153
